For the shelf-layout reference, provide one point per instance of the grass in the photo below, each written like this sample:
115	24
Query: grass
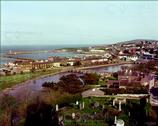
11	80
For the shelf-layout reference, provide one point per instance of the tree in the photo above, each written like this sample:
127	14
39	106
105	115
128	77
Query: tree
115	75
77	63
91	78
70	83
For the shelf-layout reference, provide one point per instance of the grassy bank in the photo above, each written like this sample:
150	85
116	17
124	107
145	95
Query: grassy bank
9	81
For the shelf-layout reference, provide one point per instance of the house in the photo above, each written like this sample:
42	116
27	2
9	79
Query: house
2	72
154	96
79	50
5	71
57	59
147	55
128	74
93	93
97	51
129	84
133	58
107	55
113	84
148	80
41	65
56	64
99	60
128	57
71	63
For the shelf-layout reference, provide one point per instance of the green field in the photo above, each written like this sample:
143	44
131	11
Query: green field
11	80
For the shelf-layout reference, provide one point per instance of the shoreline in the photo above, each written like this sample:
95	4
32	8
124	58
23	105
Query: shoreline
103	65
59	72
27	81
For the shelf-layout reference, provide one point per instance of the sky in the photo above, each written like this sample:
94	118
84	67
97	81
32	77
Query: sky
77	22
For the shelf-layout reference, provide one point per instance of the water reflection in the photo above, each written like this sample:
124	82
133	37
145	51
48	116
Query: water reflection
110	69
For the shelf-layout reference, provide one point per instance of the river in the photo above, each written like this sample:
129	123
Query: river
34	86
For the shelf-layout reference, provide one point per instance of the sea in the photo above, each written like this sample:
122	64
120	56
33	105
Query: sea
37	55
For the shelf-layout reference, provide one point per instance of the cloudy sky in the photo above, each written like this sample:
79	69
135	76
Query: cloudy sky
68	22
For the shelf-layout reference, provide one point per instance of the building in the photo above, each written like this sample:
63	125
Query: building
128	57
113	84
71	63
57	64
99	60
97	51
120	122
57	59
93	93
148	80
154	96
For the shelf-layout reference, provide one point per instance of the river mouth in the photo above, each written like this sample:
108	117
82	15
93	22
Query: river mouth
34	87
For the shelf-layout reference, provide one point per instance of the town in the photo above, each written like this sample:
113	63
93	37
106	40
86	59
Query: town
105	97
79	63
136	52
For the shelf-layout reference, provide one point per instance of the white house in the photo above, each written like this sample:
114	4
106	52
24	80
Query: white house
128	57
57	64
71	63
107	55
97	51
93	93
132	58
98	60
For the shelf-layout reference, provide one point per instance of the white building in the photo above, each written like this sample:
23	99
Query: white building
79	50
97	51
57	64
71	63
120	122
107	55
99	60
128	57
93	93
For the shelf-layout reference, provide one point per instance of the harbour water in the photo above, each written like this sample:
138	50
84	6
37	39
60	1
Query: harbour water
45	55
37	55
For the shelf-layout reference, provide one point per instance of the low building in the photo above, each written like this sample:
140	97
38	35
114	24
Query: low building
148	80
57	59
71	63
93	93
120	122
57	64
97	51
154	96
99	60
113	84
129	84
128	57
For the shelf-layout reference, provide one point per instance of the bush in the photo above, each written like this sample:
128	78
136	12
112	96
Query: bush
91	79
77	63
7	106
